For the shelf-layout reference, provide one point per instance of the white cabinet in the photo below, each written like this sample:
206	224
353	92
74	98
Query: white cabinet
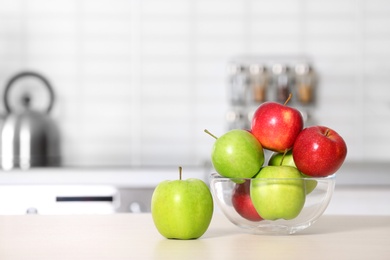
84	190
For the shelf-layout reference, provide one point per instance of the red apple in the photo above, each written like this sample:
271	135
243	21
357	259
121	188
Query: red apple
276	126
319	151
242	202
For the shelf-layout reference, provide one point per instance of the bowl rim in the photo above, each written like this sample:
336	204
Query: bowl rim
217	176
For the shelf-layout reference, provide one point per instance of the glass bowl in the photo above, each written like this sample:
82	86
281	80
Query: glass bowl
315	202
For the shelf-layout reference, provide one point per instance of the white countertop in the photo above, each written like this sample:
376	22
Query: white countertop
134	236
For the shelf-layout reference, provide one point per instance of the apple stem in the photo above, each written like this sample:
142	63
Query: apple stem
288	99
208	132
284	154
327	132
180	172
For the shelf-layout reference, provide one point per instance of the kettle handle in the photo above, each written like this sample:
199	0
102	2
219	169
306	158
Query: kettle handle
26	74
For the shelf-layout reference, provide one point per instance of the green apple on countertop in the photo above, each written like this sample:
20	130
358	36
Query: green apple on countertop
287	159
278	192
182	209
237	154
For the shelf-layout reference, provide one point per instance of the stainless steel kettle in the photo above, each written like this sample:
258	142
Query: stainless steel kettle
29	138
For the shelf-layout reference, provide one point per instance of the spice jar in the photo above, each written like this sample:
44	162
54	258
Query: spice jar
305	80
281	79
258	82
238	84
236	118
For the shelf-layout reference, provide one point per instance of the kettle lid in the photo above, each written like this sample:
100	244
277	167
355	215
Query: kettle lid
12	86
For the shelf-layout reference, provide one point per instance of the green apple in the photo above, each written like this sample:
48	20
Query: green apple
182	209
287	159
278	159
310	184
237	154
278	192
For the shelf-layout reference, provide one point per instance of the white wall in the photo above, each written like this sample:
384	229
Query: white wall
138	81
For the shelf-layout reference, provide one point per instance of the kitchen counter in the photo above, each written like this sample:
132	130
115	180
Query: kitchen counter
133	236
136	177
362	188
351	173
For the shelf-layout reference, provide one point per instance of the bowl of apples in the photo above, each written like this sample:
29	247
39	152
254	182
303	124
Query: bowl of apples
288	191
272	205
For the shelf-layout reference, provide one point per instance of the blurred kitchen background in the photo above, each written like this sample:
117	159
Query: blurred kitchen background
137	82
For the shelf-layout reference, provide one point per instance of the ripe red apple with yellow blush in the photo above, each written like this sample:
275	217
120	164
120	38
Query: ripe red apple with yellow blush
276	125
319	151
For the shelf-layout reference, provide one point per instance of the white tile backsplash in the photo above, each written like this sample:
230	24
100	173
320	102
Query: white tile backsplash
138	81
